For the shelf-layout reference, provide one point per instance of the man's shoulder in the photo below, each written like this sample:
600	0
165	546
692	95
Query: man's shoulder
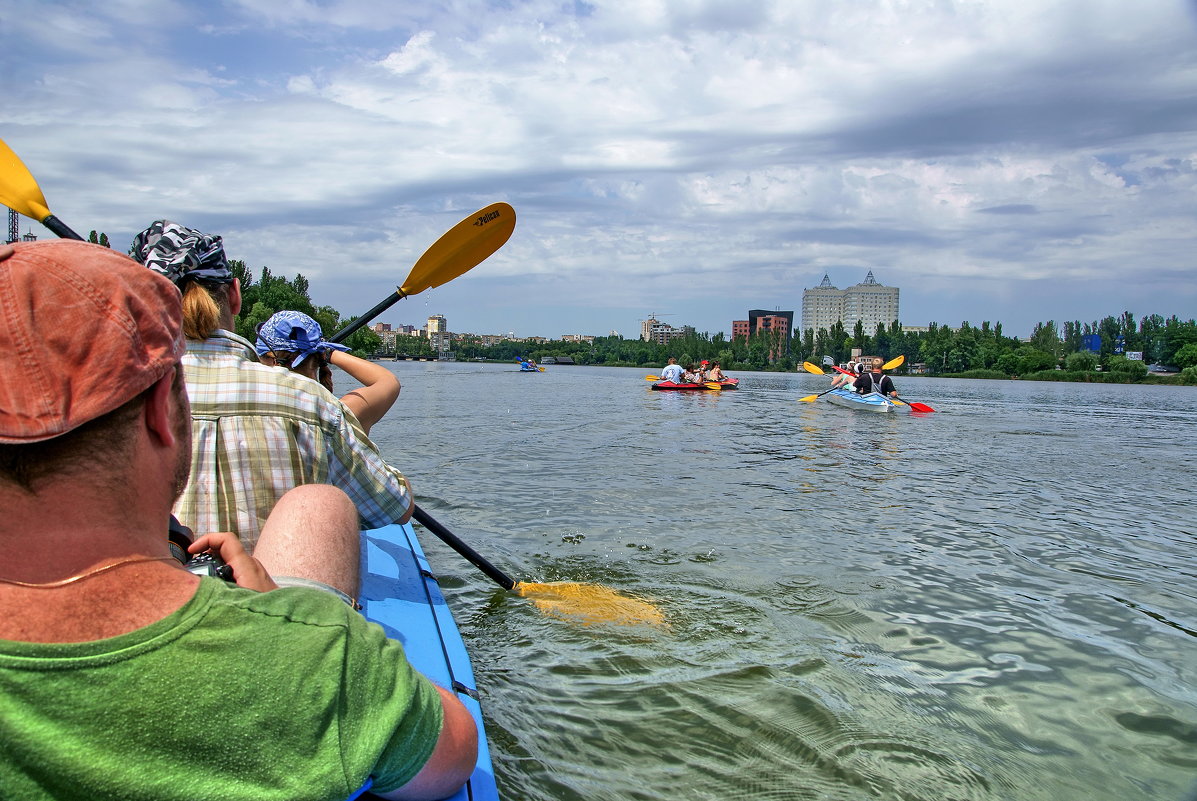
234	383
286	607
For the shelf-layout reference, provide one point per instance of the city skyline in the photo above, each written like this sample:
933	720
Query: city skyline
1006	161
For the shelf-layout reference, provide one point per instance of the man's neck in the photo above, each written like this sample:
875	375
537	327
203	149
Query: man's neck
73	529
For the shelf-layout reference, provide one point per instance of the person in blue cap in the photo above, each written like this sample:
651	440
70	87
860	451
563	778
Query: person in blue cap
294	340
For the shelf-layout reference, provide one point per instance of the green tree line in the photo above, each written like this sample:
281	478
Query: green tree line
1052	352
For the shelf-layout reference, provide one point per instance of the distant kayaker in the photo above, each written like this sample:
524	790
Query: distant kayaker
716	373
294	340
257	431
840	379
672	372
122	672
875	381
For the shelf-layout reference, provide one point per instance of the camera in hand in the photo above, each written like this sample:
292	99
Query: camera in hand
206	564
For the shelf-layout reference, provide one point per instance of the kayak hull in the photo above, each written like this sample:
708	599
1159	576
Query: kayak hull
400	593
670	386
871	402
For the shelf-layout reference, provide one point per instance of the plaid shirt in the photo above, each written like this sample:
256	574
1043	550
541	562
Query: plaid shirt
259	431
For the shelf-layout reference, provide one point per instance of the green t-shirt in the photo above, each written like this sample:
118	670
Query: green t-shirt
287	694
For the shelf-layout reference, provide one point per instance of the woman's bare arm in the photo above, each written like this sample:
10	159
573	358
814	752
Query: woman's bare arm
379	390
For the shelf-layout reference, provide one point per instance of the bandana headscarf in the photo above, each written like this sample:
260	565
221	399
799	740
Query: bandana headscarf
178	253
292	331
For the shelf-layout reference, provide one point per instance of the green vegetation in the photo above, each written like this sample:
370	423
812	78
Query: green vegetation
269	294
1051	354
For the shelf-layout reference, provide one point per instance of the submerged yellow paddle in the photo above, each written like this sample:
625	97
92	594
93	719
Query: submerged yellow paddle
586	603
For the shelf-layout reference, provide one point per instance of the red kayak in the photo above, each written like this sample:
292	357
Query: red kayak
727	383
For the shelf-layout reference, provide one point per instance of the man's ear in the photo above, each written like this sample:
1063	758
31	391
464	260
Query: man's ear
160	409
235	297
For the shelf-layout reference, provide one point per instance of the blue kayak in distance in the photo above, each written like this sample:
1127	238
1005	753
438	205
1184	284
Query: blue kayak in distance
869	402
400	593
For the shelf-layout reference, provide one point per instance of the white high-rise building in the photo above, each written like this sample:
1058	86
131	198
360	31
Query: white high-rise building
436	325
869	302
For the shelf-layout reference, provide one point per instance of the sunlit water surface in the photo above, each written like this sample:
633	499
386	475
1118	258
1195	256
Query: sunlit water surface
995	601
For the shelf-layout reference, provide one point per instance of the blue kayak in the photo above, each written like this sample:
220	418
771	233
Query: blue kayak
400	593
869	402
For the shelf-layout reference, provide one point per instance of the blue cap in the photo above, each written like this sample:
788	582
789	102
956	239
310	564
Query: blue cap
292	331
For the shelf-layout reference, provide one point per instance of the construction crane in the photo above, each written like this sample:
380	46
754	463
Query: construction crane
14	226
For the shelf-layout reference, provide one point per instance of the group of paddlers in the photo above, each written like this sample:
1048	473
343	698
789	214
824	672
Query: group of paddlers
127	670
701	373
865	380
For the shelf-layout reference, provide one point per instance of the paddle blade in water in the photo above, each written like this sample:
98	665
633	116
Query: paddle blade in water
462	247
590	604
18	189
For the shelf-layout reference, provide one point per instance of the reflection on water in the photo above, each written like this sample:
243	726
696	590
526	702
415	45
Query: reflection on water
995	601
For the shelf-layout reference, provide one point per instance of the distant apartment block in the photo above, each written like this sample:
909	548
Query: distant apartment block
437	324
653	330
869	302
763	320
588	338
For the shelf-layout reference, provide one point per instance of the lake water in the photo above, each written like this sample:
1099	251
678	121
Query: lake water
995	601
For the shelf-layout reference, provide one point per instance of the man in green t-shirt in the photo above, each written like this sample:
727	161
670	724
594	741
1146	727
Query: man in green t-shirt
125	676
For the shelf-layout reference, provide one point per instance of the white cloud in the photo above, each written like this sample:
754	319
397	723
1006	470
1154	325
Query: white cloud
721	151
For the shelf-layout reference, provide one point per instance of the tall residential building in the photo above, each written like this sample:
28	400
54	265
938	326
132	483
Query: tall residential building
869	302
653	330
436	325
763	320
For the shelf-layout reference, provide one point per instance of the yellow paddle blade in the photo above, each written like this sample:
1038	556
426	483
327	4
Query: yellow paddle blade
809	399
713	385
18	189
590	603
812	368
894	362
462	247
652	378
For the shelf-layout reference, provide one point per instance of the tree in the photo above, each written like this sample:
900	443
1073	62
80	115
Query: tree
1046	338
1082	361
1120	364
1186	356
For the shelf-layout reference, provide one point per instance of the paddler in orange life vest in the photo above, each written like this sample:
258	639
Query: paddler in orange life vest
875	381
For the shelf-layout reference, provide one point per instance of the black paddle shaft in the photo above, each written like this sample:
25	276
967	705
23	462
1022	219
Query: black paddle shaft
450	539
368	316
60	229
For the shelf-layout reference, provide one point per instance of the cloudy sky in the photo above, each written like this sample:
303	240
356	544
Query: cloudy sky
1006	160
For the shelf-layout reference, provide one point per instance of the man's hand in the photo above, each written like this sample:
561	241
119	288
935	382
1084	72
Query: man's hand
247	571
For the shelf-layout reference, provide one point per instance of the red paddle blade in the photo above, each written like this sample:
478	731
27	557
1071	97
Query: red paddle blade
920	407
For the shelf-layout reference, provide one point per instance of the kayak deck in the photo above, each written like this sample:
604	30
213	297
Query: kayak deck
870	402
400	593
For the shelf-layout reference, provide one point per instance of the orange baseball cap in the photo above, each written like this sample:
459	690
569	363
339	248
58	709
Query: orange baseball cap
83	330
